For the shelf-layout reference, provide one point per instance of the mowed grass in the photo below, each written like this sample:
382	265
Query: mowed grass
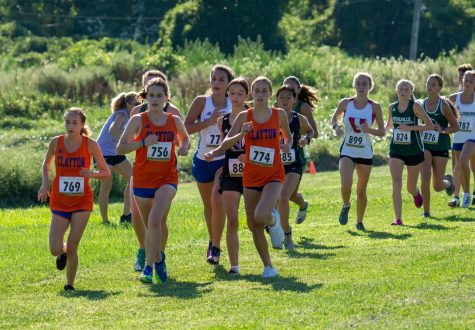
417	276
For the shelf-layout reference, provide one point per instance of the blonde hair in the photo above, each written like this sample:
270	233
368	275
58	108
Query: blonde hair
410	83
80	112
367	76
120	101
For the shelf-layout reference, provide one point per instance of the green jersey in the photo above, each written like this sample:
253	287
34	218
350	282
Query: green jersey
405	143
301	151
434	140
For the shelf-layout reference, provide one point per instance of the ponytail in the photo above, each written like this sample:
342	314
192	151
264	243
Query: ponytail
453	108
309	95
119	102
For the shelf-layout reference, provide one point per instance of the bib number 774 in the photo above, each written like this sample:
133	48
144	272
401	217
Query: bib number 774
261	155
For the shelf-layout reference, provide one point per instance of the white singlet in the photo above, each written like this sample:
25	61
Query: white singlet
357	144
210	137
466	121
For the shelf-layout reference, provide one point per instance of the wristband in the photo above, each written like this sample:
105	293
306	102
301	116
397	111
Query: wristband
308	139
335	126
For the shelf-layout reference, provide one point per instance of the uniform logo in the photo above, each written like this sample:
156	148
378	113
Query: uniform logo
356	123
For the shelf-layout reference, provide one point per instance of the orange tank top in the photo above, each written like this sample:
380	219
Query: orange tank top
263	163
155	165
71	192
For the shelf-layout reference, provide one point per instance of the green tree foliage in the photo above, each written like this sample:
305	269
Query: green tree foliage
383	27
223	21
308	22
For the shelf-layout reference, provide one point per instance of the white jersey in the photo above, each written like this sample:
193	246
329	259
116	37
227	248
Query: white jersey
210	137
357	144
466	121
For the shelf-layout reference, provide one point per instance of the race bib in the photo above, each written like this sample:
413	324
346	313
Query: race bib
466	126
401	137
71	185
430	137
213	139
355	141
287	158
261	156
160	151
235	167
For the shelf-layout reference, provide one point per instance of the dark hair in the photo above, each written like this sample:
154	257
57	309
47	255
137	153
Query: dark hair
229	72
286	88
155	82
307	94
239	81
453	108
437	77
80	112
153	74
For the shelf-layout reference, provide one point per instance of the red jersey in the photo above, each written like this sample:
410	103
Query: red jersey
263	163
155	165
71	191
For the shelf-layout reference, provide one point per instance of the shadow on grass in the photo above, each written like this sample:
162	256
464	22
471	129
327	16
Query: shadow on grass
379	235
90	294
308	243
279	283
430	226
182	290
458	218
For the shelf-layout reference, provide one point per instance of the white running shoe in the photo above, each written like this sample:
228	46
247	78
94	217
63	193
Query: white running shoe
302	214
466	199
276	232
269	272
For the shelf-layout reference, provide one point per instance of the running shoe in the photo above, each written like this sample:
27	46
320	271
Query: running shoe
454	203
360	226
473	198
276	232
418	200
288	242
139	260
450	189
344	214
61	261
426	215
302	214
214	256
126	219
465	200
146	276
269	272
397	222
69	287
161	270
234	271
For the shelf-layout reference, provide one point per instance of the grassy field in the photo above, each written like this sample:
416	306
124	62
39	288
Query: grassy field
417	276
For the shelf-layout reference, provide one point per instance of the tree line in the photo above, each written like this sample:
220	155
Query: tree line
360	27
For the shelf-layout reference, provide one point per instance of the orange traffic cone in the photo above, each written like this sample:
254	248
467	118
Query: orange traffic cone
312	169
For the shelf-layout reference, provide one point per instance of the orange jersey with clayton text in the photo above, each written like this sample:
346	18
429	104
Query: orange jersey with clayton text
71	192
155	165
263	163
